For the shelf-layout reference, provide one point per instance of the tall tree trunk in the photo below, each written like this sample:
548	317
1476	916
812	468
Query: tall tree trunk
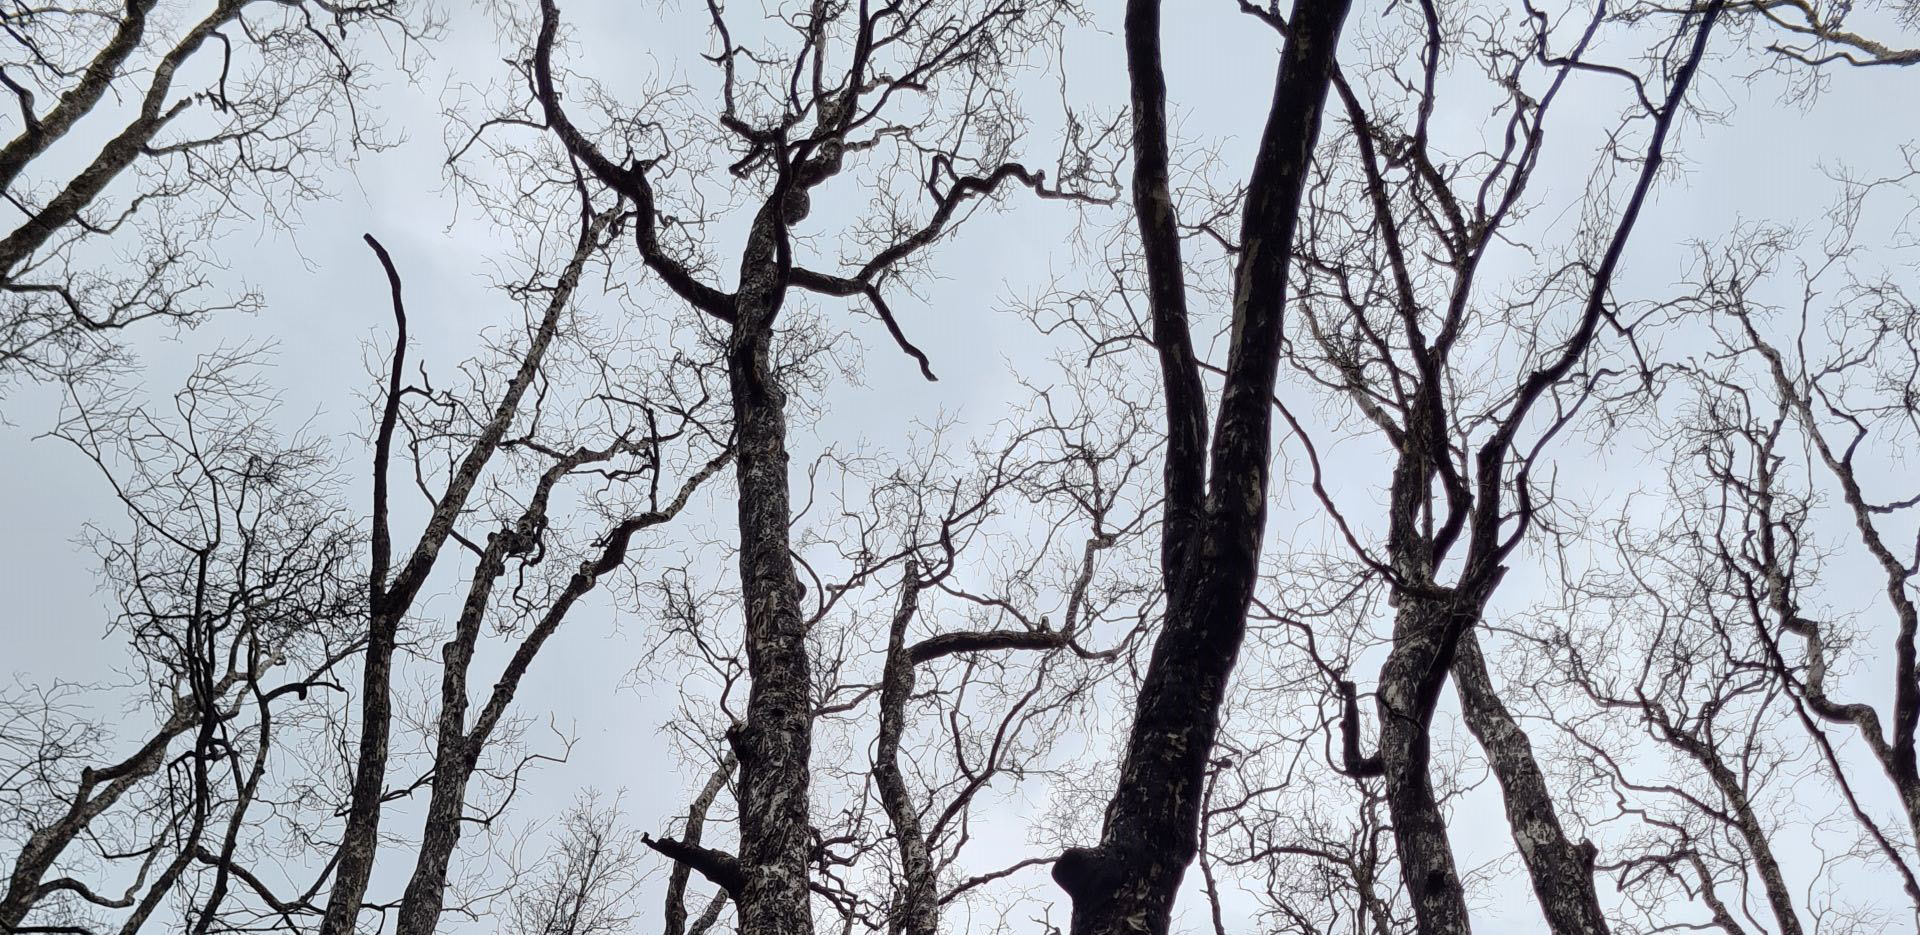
775	742
391	596
1410	684
916	908
1151	834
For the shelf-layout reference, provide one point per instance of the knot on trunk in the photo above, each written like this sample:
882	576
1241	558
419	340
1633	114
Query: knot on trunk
1087	874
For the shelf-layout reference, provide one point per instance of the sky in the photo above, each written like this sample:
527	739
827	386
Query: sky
327	315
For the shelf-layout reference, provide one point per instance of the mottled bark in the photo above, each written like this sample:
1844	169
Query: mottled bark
1425	632
390	600
676	902
98	791
117	153
1128	882
41	132
776	740
1747	823
458	747
1433	618
916	903
1561	870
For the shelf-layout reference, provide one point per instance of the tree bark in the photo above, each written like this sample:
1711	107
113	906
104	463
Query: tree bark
776	741
1211	559
916	906
1562	871
1410	684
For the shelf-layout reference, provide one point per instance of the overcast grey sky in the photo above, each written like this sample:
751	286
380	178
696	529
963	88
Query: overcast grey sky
326	306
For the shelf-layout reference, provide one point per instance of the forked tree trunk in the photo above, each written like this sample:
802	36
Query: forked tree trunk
1211	556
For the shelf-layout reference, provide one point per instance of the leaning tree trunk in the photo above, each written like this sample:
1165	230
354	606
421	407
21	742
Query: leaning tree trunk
1747	823
1562	871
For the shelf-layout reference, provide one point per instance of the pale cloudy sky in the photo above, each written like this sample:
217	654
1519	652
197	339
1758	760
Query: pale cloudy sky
326	305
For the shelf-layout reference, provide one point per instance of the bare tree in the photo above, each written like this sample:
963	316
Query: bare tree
820	100
621	447
1215	494
236	586
587	881
136	154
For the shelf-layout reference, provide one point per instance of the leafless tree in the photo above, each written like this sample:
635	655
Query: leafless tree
147	128
906	98
235	581
627	434
587	882
913	629
1215	492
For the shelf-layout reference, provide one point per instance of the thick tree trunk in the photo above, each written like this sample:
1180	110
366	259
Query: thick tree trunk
1127	884
1562	871
1409	686
776	741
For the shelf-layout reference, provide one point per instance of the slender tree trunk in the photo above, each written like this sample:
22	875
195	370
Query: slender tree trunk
916	909
1747	823
676	902
361	838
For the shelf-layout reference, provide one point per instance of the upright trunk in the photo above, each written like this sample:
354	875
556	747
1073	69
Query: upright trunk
916	908
1128	883
1562	871
389	597
775	742
360	840
1409	687
454	754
